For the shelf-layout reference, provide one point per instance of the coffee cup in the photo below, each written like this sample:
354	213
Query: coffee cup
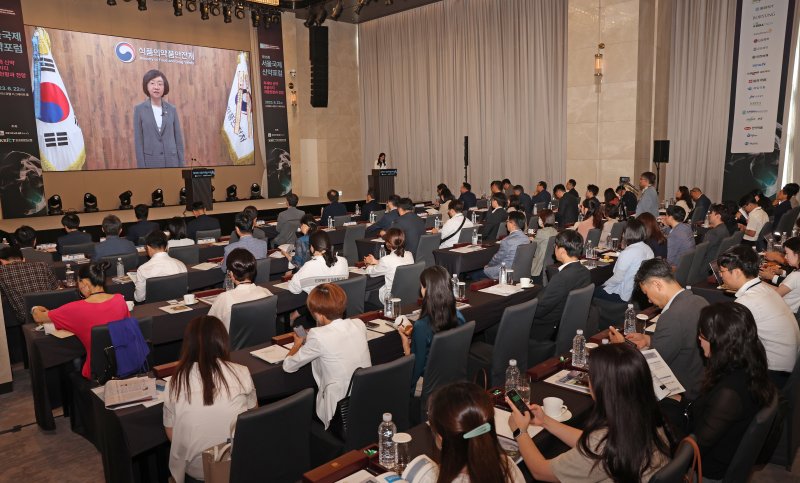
129	303
554	407
525	282
189	299
591	345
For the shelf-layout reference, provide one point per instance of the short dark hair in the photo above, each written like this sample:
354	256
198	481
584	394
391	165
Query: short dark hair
467	185
252	211
456	205
506	181
649	176
176	227
677	213
141	211
11	253
406	204
621	188
747	199
333	196
371	192
571	241
153	74
25	236
394	200
741	257
518	187
593	189
500	197
497	184
654	268
244	222
559	187
719	209
572	182
198	205
292	199
71	221
517	218
242	264
791	189
635	232
156	239
543	184
111	225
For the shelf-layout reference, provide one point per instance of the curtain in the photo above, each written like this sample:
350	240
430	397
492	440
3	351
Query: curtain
701	67
491	70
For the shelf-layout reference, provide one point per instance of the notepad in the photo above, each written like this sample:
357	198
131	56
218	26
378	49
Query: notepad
271	354
282	285
502	428
467	249
50	329
175	309
502	290
206	266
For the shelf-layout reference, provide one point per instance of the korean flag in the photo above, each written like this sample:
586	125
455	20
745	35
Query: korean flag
60	137
237	127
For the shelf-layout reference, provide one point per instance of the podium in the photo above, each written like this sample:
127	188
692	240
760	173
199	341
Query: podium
382	182
198	187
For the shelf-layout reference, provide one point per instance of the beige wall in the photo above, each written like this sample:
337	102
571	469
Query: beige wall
335	131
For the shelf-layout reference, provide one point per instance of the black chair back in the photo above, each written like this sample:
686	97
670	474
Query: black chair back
761	242
351	234
34	255
253	322
355	288
574	317
51	299
103	365
129	260
376	390
263	268
447	359
684	266
502	231
206	234
751	444
406	282
618	229
788	220
594	236
549	253
675	470
273	442
728	243
699	270
189	254
465	236
427	244
339	221
159	289
86	248
523	260
378	215
512	340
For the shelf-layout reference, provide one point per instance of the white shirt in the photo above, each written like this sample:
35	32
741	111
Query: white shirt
792	298
377	165
564	265
621	283
244	292
451	226
424	470
335	351
756	221
196	427
386	266
315	272
183	242
777	327
159	265
158	113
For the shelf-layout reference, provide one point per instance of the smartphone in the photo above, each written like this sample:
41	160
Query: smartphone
300	331
517	400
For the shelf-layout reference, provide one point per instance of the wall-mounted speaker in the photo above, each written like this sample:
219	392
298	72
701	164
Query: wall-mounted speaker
661	151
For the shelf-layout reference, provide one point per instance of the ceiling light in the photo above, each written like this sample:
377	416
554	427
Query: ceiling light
204	11
191	5
178	6
54	205
89	203
227	15
239	10
157	198
125	200
142	4
215	8
337	10
111	2
230	193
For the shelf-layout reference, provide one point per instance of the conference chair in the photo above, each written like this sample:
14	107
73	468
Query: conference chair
447	362
189	254
430	220
618	230
263	268
761	242
34	255
539	207
574	317
427	244
751	444
684	266
206	234
678	467
253	322
465	236
787	221
549	253
406	283
273	442
378	215
355	288
728	243
699	270
523	260
351	234
481	203
502	231
50	299
594	236
129	260
159	289
511	342
339	221
790	405
87	249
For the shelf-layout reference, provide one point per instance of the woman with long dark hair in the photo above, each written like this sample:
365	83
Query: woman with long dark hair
396	256
204	397
625	438
594	217
789	287
438	314
176	227
324	265
655	238
683	198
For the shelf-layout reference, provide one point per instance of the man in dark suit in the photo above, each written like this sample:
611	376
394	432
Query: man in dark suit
675	336
380	226
142	227
541	195
113	244
567	206
783	200
370	205
497	216
72	224
524	199
571	183
468	197
201	222
412	225
334	209
717	232
626	199
701	206
571	275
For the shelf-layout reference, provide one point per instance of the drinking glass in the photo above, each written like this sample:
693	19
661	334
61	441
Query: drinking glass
462	290
509	276
615	244
381	252
395	303
402	441
480	239
524	389
228	284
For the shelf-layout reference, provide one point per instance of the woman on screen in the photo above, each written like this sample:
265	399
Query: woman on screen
156	129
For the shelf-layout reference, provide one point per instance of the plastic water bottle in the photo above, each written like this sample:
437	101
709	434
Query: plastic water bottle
372	217
579	349
69	279
381	252
454	282
707	221
512	375
535	210
330	222
120	268
474	235
437	223
630	320
387	306
358	209
474	222
502	279
387	450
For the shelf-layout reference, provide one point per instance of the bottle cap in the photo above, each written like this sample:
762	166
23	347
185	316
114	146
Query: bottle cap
630	306
604	341
387	417
580	332
512	362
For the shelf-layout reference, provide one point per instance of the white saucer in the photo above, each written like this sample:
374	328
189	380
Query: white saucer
526	286
184	303
566	416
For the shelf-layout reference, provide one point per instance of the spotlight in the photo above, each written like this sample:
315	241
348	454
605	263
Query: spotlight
142	4
157	198
125	200
191	5
255	18
182	196
54	206
337	10
255	192
360	5
322	14
226	13
111	2
204	11
178	6
215	8
89	203
240	10
231	193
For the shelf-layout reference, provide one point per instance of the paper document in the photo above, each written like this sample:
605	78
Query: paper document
50	329
371	334
206	266
384	326
208	300
175	309
575	380
502	290
432	211
278	255
467	249
124	391
282	285
664	381
377	240
501	421
358	271
271	354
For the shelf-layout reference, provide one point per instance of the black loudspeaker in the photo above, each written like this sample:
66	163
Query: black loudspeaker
466	151
318	53
661	151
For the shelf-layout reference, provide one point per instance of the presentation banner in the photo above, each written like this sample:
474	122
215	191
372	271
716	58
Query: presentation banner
761	59
276	122
21	183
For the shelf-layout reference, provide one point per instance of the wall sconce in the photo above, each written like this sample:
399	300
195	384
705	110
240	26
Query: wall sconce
292	91
598	61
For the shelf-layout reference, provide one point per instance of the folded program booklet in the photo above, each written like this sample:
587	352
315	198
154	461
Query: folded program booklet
123	391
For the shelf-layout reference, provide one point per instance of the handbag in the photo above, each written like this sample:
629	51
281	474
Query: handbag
697	465
217	463
338	425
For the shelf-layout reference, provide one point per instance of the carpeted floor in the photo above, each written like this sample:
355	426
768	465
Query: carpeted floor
33	455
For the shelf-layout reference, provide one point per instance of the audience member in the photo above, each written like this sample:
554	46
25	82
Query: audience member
244	228
680	238
610	198
445	197
451	230
19	277
159	265
655	238
139	230
336	347
648	201
334	209
289	221
508	188
396	256
467	196
619	287
789	287
546	231
717	231
25	237
524	199
412	225
258	233
72	224
302	251
590	201
701	205
380	226
567	213
684	199
515	223
756	219
541	195
323	266
241	268
628	201
513	204
496	186
176	227
495	217
732	220
113	244
593	218
201	221
370	205
571	184
783	202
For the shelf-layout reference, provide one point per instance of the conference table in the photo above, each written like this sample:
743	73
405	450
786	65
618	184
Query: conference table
465	259
124	434
207	251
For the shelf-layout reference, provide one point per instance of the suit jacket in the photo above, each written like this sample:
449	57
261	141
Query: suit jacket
331	211
648	202
157	148
113	246
553	299
525	202
543	197
780	210
141	229
72	238
574	193
675	339
369	208
506	253
288	223
714	237
630	201
384	223
567	210
413	227
253	245
701	207
201	223
469	199
492	223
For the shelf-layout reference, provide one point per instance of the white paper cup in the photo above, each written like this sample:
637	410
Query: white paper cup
591	345
189	298
130	305
554	407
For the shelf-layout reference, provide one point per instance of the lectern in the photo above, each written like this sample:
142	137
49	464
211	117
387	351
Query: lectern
198	187
382	182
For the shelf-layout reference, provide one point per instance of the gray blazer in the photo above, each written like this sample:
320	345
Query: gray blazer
157	148
648	202
288	224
